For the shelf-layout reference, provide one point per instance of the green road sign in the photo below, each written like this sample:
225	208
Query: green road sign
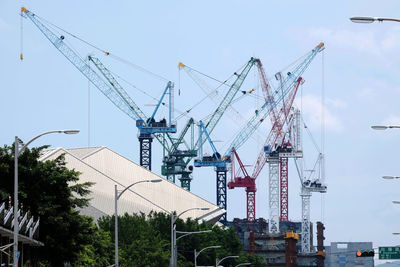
389	253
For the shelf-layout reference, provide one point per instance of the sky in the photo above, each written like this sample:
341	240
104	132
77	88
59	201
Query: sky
351	85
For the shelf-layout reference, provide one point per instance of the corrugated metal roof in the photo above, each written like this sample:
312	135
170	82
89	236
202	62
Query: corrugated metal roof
107	168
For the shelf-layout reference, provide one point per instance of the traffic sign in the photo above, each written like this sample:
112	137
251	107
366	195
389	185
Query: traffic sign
389	253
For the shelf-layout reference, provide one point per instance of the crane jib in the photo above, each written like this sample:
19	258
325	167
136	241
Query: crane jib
116	97
264	111
227	100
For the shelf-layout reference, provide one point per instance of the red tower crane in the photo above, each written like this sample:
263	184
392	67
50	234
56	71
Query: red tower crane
244	181
276	136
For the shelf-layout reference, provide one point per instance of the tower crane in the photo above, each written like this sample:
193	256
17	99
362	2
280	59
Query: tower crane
115	93
147	126
266	109
181	158
315	182
275	137
244	180
279	94
215	159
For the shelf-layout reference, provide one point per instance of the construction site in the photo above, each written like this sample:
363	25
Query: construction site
176	142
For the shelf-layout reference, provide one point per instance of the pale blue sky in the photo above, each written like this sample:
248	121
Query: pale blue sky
45	92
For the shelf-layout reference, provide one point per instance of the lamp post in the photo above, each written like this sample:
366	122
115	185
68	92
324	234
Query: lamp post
384	127
243	264
227	257
173	258
371	19
117	196
17	153
390	177
196	254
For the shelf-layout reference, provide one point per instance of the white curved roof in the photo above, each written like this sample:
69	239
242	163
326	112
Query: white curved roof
107	168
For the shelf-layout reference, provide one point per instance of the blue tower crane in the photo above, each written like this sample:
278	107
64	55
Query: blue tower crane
214	160
147	127
115	93
177	162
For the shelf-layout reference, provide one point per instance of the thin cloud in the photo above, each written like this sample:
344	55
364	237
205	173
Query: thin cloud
362	40
312	113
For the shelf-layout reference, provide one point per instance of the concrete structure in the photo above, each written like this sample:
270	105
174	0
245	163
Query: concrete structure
107	168
343	254
271	246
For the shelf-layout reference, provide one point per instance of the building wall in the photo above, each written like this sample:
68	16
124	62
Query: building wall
343	254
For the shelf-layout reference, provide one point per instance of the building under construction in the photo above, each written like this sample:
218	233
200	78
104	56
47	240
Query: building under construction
279	249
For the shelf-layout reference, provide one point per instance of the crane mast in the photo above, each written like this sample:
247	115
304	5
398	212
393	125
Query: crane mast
309	185
293	80
249	181
147	126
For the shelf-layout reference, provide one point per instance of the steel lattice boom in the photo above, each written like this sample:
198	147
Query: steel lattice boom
284	88
116	94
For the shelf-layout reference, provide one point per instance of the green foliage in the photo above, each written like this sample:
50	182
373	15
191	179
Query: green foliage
145	241
51	192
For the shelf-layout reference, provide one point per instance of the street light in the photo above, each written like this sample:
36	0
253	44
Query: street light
173	235
196	254
243	264
396	202
227	257
117	196
383	127
371	19
17	153
390	177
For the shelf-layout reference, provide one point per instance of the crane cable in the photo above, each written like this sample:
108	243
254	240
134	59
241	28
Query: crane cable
215	91
107	53
209	94
21	55
150	96
323	134
101	50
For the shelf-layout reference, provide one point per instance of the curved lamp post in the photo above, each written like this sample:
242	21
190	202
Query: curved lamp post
227	257
371	19
17	152
196	254
117	196
173	234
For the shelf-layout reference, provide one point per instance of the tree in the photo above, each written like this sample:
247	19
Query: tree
145	241
52	192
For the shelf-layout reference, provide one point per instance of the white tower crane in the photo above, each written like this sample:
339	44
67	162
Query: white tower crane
314	182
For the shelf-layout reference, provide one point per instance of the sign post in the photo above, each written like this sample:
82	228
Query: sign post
389	253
